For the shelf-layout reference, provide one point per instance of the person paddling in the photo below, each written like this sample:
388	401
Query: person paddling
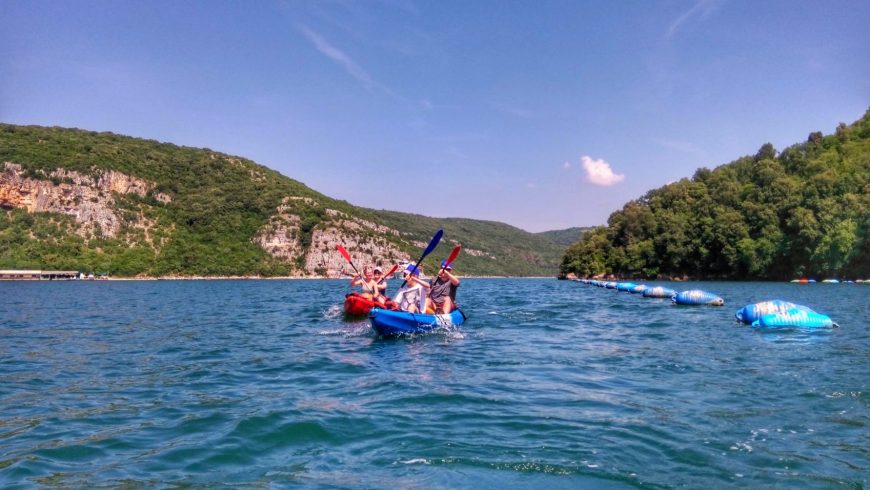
442	290
411	297
380	285
368	283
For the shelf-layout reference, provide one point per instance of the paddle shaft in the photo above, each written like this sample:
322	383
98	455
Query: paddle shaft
429	248
451	258
346	256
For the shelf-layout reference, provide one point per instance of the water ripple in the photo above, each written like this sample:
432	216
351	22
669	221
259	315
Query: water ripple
549	384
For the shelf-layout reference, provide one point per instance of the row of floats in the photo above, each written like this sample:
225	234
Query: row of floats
771	314
830	281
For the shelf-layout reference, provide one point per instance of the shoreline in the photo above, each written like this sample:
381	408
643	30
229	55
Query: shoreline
242	278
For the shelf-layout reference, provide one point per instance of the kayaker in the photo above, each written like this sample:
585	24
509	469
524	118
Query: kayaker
381	285
368	283
412	296
442	290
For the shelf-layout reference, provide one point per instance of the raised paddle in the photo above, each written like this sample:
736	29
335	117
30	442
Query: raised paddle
346	256
429	248
388	274
451	258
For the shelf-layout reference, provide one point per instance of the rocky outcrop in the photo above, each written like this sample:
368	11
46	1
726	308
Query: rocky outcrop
323	259
282	238
89	199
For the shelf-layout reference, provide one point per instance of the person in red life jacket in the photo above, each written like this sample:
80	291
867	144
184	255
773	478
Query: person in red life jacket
442	290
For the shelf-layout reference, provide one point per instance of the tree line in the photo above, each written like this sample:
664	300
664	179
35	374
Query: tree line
802	212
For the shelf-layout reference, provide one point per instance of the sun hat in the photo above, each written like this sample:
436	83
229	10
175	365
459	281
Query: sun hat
378	269
446	265
412	269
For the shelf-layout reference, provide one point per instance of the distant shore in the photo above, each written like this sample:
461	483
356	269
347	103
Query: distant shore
236	278
277	278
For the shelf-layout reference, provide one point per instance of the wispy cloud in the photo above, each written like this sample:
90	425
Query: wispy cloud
680	146
702	9
566	165
514	111
598	172
350	66
456	153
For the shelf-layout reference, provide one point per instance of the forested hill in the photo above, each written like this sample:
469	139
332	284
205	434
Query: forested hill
100	202
802	212
565	237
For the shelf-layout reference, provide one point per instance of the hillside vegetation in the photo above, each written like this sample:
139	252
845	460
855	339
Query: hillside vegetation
215	206
566	237
802	212
488	245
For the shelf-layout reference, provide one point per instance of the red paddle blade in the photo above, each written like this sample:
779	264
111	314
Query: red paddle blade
392	271
343	252
454	254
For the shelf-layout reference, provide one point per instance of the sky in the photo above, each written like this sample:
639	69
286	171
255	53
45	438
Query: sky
541	114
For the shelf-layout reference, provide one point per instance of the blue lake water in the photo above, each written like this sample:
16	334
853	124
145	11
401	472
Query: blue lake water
549	384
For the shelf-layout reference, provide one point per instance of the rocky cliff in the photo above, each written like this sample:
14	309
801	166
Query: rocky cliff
282	238
91	200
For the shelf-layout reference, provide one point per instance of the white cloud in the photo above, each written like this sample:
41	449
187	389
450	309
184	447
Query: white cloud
598	172
566	165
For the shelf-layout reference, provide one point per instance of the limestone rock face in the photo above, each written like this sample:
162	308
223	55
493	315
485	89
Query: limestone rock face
90	200
323	259
281	237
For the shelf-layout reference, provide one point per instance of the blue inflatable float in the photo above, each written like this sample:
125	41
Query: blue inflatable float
755	311
794	318
625	286
638	288
698	297
659	292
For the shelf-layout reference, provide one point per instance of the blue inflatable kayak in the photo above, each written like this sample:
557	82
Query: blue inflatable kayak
390	323
698	297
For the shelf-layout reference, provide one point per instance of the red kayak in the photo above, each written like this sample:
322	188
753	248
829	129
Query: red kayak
356	304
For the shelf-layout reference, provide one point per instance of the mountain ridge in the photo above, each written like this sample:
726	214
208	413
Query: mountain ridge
198	212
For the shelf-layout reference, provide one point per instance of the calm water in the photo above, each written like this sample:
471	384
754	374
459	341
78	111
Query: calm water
550	384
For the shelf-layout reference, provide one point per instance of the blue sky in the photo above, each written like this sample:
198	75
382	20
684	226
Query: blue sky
540	114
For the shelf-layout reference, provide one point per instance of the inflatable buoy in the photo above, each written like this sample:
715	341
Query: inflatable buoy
610	285
638	288
794	318
698	297
625	286
659	292
753	312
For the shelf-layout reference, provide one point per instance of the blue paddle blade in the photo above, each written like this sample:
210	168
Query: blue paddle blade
432	244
